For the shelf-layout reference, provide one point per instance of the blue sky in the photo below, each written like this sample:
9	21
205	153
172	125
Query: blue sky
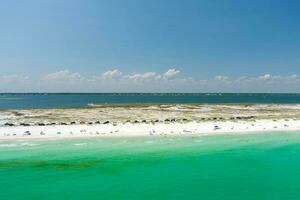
130	45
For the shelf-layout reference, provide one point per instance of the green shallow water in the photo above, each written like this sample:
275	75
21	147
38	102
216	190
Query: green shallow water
257	166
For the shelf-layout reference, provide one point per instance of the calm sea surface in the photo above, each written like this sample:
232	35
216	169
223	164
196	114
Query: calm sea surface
22	101
259	166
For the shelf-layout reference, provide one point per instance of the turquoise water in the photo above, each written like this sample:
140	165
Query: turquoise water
23	101
257	166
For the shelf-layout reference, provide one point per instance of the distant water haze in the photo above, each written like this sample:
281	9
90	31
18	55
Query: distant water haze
52	100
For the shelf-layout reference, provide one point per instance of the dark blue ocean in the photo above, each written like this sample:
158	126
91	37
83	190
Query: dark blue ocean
51	100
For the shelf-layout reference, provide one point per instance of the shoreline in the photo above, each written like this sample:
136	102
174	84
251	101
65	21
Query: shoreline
148	120
145	129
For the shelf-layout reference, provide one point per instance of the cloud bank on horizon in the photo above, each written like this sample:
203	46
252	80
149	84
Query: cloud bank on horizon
170	81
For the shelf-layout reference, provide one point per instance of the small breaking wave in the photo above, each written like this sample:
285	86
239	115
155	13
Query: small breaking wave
80	144
8	145
28	144
22	144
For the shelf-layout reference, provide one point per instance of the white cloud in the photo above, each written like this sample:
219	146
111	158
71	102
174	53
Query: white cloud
293	78
265	77
111	74
268	78
146	75
118	75
171	73
63	75
221	78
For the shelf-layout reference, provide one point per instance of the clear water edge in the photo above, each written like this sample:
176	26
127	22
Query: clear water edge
251	166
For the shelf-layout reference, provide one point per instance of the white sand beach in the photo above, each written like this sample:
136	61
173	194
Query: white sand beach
143	129
148	120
